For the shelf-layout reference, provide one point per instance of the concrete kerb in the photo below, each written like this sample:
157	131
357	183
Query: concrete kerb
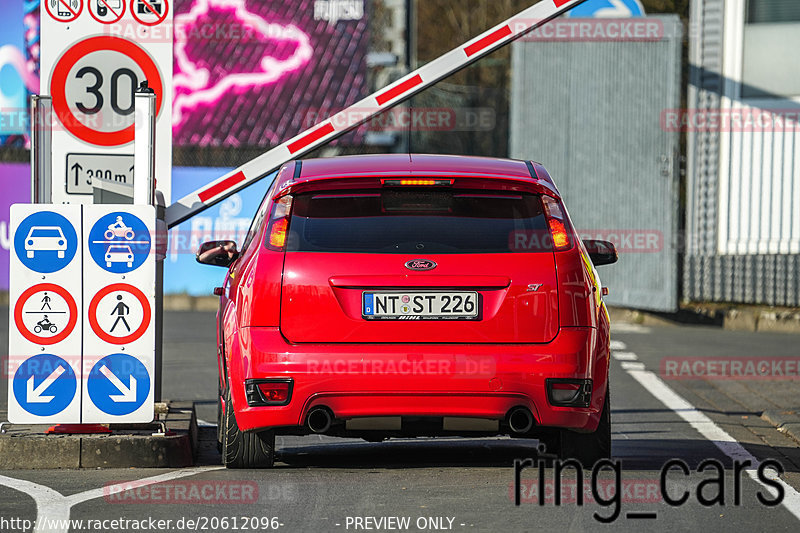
727	316
128	446
785	420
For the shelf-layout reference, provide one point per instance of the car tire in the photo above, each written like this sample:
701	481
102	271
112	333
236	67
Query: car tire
588	448
240	449
220	422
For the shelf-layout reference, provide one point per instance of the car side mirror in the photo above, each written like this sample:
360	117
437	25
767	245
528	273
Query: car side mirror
217	253
601	252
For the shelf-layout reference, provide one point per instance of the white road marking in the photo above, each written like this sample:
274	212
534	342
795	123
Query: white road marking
617	345
617	327
711	431
53	508
625	356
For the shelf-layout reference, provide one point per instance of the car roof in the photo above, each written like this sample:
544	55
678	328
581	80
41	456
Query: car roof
388	165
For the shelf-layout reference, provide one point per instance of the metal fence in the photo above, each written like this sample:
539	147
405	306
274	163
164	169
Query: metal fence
743	186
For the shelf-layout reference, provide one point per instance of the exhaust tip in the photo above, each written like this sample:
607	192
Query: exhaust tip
319	419
520	420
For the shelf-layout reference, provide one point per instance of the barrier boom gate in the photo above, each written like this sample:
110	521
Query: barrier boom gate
374	104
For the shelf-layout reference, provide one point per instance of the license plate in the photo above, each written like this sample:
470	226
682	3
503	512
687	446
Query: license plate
420	305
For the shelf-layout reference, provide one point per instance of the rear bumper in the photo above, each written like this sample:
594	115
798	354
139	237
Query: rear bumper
476	381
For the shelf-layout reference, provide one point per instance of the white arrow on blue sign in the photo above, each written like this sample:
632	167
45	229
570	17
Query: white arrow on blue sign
118	384
44	385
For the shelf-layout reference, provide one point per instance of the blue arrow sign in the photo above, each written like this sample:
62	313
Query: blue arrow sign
118	384
607	9
45	242
44	385
119	242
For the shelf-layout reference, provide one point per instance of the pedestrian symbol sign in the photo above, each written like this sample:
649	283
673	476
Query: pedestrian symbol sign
45	242
119	242
119	314
118	384
44	385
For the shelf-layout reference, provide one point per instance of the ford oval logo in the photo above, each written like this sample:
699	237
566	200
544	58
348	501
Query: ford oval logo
420	264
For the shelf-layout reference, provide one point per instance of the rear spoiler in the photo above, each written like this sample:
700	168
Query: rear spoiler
469	181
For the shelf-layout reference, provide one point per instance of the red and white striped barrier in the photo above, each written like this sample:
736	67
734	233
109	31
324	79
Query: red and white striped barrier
374	104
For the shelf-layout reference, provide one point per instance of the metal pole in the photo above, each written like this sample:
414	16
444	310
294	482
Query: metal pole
158	314
144	192
41	149
144	154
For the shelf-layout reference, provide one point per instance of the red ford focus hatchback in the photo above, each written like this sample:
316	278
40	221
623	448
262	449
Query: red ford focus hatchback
412	295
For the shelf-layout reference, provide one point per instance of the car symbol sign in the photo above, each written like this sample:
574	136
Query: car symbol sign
420	264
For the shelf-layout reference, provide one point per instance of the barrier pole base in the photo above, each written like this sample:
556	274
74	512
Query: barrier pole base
83	429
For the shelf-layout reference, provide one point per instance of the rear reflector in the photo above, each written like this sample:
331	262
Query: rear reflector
569	392
417	182
268	392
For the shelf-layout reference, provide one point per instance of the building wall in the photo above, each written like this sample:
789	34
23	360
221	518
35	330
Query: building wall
743	178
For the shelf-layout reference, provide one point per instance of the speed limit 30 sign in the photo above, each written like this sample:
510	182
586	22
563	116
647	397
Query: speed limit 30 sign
91	68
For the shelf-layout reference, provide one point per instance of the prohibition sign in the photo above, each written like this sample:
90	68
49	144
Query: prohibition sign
149	6
36	339
123	287
64	4
58	85
104	4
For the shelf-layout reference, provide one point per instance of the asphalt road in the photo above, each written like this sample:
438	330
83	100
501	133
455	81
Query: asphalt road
324	484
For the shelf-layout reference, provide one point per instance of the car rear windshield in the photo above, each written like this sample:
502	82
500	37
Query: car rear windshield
434	221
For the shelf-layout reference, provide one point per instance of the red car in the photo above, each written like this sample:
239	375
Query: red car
412	295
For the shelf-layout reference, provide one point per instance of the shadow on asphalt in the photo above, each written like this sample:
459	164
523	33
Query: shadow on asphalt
328	452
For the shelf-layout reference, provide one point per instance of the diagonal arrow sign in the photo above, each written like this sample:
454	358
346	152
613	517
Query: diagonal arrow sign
128	393
34	394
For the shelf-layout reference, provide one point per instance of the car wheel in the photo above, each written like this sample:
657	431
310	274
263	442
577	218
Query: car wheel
30	254
61	254
588	448
245	449
108	264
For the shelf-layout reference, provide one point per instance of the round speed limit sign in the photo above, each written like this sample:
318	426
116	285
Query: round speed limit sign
92	88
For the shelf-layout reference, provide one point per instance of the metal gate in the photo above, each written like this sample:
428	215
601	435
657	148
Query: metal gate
591	99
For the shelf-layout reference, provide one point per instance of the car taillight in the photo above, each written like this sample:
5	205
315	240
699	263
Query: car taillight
277	233
268	392
279	224
556	222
